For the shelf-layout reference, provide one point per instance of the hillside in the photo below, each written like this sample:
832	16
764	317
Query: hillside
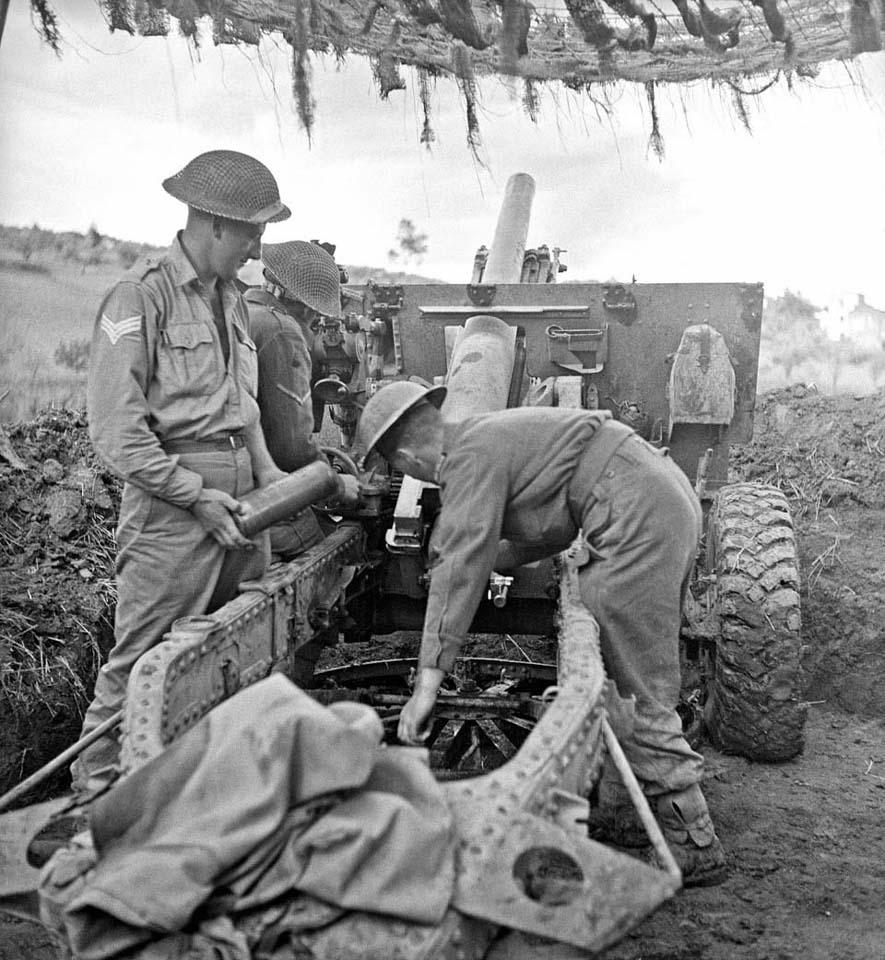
50	287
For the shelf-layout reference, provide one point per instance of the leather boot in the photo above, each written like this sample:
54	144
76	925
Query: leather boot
689	832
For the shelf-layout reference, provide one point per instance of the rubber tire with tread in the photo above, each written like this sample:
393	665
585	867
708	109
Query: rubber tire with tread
754	705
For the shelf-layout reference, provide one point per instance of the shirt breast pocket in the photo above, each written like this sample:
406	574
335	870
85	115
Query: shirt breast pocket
191	365
247	361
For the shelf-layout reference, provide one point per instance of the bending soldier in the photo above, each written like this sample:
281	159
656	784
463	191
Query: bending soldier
172	410
519	485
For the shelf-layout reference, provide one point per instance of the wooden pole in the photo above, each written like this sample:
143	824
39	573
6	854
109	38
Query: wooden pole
66	755
628	778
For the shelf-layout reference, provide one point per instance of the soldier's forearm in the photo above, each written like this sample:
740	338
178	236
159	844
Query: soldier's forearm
263	466
429	680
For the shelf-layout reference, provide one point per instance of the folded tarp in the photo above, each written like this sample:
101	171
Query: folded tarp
269	795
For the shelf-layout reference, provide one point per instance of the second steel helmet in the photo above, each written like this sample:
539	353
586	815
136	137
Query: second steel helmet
389	405
307	273
231	185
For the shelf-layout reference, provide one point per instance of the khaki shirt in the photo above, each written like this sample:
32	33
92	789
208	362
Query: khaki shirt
503	475
157	373
284	375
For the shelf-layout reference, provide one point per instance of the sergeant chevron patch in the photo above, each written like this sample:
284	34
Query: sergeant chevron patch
115	329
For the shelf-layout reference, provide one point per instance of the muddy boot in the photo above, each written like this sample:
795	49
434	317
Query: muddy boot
686	825
613	818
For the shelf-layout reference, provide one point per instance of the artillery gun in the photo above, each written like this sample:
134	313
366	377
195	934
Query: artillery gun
518	744
676	362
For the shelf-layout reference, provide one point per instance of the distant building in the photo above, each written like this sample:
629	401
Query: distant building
852	317
865	325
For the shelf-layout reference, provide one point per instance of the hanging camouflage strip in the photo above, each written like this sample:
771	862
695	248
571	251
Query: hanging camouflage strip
655	140
582	43
385	67
427	134
516	21
299	38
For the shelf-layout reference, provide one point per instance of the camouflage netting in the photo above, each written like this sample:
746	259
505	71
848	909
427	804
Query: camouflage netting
579	43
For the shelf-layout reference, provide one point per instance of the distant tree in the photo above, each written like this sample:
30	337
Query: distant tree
792	336
95	252
785	312
842	355
411	245
74	355
28	241
128	253
876	364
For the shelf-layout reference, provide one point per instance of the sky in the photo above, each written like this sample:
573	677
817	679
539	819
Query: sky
798	202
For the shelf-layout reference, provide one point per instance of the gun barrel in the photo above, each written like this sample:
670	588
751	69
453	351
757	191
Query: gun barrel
504	264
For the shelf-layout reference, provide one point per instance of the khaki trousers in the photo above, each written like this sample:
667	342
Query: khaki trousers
169	567
642	526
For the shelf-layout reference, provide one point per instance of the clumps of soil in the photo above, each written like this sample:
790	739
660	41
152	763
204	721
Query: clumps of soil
827	453
820	450
59	509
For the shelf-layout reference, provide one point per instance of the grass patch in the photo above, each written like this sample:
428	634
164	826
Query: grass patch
29	384
23	266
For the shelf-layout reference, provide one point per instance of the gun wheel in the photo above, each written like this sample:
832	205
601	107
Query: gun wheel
753	705
485	711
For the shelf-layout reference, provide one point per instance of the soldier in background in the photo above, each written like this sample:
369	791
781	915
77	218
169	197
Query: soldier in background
172	410
302	284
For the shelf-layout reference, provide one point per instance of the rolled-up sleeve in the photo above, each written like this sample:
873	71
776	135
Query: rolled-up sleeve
117	406
475	488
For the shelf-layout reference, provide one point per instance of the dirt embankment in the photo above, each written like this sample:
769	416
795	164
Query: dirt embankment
828	456
58	509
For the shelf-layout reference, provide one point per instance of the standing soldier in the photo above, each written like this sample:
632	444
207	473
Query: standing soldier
302	285
519	485
172	410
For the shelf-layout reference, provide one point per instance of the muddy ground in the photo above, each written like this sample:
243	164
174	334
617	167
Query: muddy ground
805	839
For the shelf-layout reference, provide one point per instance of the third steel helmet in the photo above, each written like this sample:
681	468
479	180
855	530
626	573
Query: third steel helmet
389	405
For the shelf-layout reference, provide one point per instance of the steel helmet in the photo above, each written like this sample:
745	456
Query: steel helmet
389	405
231	185
307	273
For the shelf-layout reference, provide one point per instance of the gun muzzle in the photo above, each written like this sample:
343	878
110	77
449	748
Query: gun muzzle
288	496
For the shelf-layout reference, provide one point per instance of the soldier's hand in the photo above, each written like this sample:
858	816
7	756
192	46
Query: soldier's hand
349	495
413	728
215	509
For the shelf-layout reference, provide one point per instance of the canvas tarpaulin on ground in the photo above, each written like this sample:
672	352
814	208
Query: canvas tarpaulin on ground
271	801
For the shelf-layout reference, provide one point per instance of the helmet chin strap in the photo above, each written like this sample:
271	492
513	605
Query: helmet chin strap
279	291
275	290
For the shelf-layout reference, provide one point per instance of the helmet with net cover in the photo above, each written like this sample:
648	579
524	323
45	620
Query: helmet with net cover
230	185
389	405
307	273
